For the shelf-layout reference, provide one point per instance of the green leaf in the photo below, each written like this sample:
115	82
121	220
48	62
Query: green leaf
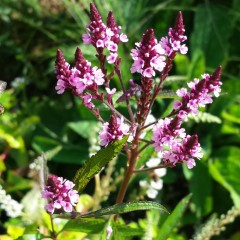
213	26
126	231
87	225
202	196
67	153
94	164
83	128
173	219
197	66
181	62
225	169
125	208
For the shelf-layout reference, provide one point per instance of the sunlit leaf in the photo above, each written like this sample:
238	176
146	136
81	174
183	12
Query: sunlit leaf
173	220
94	164
87	225
125	208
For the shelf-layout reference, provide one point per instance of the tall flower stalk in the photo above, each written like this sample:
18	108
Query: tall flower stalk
151	58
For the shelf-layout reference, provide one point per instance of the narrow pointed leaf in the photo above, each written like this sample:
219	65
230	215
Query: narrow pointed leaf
173	219
85	225
125	208
94	164
126	231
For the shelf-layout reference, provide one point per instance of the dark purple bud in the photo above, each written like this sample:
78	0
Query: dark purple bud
179	27
60	60
215	77
79	59
111	21
94	14
191	143
148	38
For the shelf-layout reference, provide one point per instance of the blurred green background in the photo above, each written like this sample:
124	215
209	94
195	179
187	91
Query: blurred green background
38	120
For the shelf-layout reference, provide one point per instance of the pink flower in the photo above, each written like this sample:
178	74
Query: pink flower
113	130
123	37
86	38
60	195
171	140
103	36
148	56
112	58
176	37
86	100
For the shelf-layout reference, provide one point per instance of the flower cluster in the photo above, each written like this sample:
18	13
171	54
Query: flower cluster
168	136
12	207
60	195
113	130
171	141
79	78
104	36
148	56
176	37
200	94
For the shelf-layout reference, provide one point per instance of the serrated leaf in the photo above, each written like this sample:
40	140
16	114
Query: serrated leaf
173	219
94	164
86	225
125	208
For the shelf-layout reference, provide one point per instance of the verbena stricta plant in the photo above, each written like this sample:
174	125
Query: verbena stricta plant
92	84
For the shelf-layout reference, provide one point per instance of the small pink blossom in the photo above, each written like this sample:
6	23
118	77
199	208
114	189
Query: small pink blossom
112	58
86	38
111	91
148	72
177	104
123	37
86	99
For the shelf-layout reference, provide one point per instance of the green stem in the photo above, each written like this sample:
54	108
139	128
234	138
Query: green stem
53	233
150	169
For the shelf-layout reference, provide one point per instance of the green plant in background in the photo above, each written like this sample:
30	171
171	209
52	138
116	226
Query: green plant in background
32	110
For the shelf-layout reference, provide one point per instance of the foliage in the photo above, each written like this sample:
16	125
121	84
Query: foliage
36	120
